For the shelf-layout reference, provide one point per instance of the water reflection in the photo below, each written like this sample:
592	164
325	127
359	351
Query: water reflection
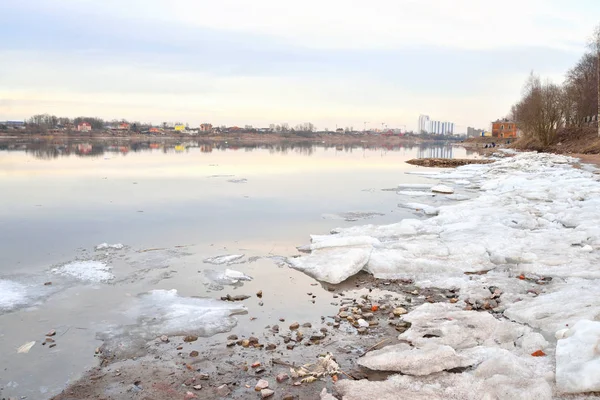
50	149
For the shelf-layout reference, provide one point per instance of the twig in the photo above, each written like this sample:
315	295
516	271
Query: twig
280	362
349	376
372	347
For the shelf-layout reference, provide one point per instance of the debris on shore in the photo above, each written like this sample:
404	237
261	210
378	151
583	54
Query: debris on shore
447	162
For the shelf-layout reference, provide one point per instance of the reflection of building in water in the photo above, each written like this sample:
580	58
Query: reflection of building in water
435	152
206	148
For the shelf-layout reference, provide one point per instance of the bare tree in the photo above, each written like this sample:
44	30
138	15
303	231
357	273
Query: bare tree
541	110
596	46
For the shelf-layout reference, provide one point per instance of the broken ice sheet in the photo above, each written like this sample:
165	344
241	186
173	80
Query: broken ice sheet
87	271
106	246
225	259
352	215
165	312
216	279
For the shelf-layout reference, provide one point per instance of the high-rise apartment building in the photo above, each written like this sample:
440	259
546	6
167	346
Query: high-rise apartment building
435	127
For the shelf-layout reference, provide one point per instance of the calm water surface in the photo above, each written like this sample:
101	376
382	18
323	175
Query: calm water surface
185	202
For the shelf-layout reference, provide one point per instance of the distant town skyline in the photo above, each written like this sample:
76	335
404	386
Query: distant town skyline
234	62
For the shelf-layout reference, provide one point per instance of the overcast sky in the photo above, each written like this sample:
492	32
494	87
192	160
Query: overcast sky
257	62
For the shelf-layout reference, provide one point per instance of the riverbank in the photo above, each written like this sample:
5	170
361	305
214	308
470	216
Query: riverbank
492	295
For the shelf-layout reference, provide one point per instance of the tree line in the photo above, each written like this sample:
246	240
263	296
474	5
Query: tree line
545	107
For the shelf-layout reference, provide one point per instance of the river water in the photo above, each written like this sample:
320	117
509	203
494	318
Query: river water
171	205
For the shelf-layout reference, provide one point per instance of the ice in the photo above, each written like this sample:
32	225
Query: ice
417	193
106	246
442	189
165	312
333	264
578	358
12	294
88	271
414	360
414	186
352	215
426	209
224	259
227	277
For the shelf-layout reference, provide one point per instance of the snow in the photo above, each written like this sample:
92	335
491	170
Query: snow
224	259
106	246
578	358
12	294
88	271
227	277
442	189
530	227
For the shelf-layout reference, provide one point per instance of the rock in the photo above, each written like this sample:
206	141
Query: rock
239	297
261	384
259	370
317	336
323	329
194	353
190	338
47	283
245	343
179	347
223	390
271	346
164	339
275	328
231	343
399	311
307	325
49	340
52	345
299	336
266	393
255	365
197	387
232	337
282	377
362	331
294	326
189	396
259	294
253	340
289	396
343	314
281	319
51	333
362	323
261	304
367	316
290	346
202	377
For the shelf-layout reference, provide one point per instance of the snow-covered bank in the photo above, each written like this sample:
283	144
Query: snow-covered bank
525	249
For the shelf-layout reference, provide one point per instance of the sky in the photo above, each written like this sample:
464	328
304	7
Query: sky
330	62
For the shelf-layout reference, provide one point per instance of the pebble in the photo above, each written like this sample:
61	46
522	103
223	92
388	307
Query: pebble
255	365
271	346
261	384
259	370
261	304
49	340
52	345
231	343
51	333
194	353
232	337
202	377
190	338
290	346
197	387
307	325
362	331
259	294
323	329
253	340
223	390
266	393
343	314
399	311
281	319
294	326
275	328
47	283
164	338
282	377
289	397
179	347
245	343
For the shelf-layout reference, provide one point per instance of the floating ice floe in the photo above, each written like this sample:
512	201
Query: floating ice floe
353	215
88	271
442	189
424	208
225	259
106	246
415	186
227	277
415	193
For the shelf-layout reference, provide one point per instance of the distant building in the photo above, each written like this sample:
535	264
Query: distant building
206	127
504	128
84	127
428	125
155	130
179	127
339	130
13	124
423	124
123	126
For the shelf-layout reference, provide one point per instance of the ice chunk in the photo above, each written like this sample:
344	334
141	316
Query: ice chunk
165	312
26	347
227	277
12	294
333	264
426	209
106	246
89	271
224	259
414	186
414	360
415	193
578	358
323	241
442	189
